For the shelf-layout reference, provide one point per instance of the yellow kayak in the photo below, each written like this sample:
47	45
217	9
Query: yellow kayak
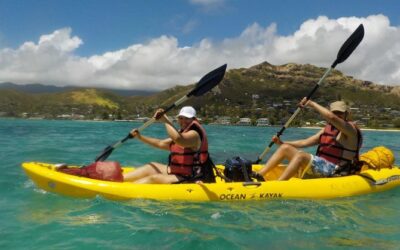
46	177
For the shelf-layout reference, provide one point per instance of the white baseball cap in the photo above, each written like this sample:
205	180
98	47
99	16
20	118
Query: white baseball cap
188	112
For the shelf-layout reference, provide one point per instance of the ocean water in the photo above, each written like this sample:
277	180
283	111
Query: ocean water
33	219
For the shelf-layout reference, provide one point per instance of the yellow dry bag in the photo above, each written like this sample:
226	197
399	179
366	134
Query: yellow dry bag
377	158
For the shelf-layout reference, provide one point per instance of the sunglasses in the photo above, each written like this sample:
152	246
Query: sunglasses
182	118
338	112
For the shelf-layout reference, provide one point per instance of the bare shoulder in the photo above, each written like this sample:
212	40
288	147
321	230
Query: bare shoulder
350	132
353	127
191	133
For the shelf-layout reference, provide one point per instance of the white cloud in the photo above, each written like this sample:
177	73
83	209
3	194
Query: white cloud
60	40
189	26
162	63
207	2
209	6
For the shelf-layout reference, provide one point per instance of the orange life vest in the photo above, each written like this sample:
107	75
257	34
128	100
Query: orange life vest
331	150
183	161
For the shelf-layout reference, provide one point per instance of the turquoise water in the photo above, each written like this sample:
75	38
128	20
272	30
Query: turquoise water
33	219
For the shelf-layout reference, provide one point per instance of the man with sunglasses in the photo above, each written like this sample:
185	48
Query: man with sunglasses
339	143
189	160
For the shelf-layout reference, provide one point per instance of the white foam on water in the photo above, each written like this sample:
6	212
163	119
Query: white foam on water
216	216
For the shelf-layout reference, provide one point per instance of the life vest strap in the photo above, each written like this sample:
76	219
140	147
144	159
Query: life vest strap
189	153
338	147
335	156
180	164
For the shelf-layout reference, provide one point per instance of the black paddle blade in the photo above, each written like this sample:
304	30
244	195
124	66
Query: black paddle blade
208	81
350	45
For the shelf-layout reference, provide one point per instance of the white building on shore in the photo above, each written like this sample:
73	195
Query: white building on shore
244	121
263	122
223	120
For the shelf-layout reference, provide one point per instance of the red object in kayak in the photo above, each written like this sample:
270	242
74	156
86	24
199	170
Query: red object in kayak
100	170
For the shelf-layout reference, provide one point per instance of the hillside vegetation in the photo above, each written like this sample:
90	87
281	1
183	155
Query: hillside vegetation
264	90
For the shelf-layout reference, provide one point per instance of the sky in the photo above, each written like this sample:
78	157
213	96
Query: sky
154	45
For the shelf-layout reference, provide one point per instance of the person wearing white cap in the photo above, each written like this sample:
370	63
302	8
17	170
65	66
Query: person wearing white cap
187	112
339	143
189	160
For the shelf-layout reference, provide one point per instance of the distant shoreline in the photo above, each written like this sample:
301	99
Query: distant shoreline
212	124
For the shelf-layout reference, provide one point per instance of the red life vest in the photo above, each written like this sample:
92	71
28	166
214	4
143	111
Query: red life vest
333	151
182	161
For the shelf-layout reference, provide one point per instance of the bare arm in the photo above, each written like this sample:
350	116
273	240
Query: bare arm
336	121
157	143
310	141
189	139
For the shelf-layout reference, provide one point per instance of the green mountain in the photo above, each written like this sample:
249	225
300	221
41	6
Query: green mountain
263	90
37	88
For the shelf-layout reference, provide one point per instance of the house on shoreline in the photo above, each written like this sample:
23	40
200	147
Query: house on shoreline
263	122
244	121
223	120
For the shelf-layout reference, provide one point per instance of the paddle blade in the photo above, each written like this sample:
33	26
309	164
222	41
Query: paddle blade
350	45
208	81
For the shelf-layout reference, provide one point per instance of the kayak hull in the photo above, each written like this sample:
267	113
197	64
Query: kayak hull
46	177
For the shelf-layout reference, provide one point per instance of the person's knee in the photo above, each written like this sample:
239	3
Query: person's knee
285	147
288	149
